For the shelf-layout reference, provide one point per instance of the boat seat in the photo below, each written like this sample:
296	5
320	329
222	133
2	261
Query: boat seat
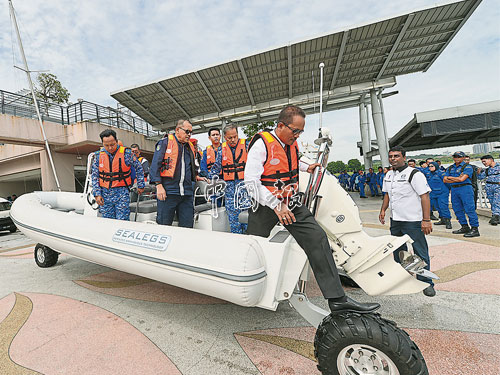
145	207
202	207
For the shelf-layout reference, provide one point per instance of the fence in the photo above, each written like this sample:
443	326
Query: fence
23	106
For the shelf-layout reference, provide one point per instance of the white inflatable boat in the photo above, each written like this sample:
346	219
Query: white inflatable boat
243	269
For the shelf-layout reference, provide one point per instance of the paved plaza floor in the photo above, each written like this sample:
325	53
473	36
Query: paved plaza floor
82	318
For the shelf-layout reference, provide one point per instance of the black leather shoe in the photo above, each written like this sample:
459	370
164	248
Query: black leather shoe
429	291
463	230
441	221
448	223
433	217
474	232
352	305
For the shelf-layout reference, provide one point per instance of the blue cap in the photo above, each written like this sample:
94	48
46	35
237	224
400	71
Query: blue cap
459	154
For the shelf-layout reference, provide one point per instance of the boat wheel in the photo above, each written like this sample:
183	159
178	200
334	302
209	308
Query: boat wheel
365	344
45	257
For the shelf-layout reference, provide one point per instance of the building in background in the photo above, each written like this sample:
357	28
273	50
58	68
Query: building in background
484	148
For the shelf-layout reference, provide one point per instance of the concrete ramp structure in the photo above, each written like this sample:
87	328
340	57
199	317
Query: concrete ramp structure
24	164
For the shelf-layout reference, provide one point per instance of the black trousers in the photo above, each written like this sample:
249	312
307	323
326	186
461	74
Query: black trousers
310	237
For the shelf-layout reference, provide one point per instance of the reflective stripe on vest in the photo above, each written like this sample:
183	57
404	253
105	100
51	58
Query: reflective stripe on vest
171	156
281	169
234	169
114	173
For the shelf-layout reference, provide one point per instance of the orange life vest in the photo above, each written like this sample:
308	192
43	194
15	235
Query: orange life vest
169	162
210	157
116	173
234	169
281	169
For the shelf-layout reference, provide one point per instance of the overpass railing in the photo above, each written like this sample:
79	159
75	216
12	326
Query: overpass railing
23	106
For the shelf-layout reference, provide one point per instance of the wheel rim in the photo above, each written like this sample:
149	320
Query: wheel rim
365	360
40	255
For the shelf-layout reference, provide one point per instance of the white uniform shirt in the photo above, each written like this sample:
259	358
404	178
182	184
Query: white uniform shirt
404	197
254	169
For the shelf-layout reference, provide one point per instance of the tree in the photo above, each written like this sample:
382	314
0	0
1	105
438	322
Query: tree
251	129
336	166
354	165
49	90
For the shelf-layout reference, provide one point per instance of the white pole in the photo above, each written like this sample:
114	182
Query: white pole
321	66
26	69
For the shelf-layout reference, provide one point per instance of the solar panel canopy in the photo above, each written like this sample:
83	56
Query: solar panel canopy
255	88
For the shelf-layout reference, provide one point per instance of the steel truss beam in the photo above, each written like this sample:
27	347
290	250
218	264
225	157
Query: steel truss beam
143	108
207	91
159	85
345	37
247	84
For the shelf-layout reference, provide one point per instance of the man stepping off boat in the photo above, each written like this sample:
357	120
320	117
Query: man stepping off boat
231	161
112	177
273	169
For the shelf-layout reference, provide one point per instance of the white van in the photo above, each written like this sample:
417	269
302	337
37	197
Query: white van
6	222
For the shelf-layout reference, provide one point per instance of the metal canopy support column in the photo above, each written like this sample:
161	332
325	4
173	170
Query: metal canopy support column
290	72
364	127
395	45
383	121
207	91
247	84
144	108
345	36
382	140
172	99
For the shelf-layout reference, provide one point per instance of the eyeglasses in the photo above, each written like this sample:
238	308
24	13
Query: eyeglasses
294	131
187	131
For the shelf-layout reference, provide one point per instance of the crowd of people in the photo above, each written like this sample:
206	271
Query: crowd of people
460	180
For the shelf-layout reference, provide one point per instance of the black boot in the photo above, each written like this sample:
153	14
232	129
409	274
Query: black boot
351	305
442	221
448	223
465	229
474	232
495	220
433	217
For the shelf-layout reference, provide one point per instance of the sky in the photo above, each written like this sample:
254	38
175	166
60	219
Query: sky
96	47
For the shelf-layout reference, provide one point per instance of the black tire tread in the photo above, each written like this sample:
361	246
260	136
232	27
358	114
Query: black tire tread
51	257
340	330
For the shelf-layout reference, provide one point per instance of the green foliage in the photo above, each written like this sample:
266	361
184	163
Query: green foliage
336	166
354	165
48	89
251	129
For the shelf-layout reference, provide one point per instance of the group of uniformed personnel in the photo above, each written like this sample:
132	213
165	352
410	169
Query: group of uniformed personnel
358	180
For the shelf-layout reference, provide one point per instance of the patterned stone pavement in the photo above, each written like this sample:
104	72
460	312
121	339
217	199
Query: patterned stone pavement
82	318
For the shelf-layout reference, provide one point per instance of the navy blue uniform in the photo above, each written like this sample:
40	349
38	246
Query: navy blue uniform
462	194
440	194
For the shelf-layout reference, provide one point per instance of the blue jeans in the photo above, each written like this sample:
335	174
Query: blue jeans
183	205
420	247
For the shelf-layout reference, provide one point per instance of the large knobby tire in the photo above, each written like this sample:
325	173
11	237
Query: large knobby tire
44	256
355	344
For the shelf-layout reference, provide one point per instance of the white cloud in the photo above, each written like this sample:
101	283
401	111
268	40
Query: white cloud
95	47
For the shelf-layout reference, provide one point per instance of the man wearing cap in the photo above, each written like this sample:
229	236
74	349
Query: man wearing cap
458	176
492	176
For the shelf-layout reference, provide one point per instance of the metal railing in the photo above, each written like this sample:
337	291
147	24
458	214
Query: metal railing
23	106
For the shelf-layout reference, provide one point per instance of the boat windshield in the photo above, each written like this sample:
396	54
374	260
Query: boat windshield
4	206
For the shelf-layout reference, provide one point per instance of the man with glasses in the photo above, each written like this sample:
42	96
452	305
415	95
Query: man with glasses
272	176
173	171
